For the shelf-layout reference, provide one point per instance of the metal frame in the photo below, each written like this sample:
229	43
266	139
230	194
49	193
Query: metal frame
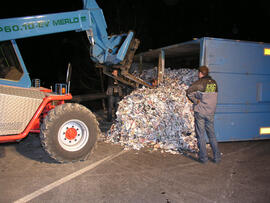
35	120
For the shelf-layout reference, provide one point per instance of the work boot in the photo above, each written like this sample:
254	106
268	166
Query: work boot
203	161
217	158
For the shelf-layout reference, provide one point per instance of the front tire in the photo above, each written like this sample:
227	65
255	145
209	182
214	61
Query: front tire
69	133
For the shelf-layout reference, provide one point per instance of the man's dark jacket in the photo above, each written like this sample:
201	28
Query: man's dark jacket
203	93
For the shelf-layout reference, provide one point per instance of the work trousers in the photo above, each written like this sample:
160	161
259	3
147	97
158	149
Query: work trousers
113	102
205	123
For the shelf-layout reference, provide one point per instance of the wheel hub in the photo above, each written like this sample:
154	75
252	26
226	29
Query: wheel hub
73	135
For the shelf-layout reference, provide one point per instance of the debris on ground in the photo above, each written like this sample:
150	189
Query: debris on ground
160	118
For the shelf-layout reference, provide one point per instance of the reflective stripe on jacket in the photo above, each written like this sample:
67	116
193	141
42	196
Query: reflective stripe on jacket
203	94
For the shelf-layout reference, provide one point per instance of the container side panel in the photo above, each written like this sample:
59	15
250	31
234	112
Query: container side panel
237	57
241	126
242	71
242	88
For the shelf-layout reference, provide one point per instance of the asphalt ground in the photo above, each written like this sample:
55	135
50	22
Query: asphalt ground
27	174
112	174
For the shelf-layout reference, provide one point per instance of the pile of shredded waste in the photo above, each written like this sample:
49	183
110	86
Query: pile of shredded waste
160	118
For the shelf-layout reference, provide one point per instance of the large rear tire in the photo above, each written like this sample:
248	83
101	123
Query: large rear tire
69	133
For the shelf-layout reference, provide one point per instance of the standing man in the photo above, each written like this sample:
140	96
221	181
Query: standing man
203	94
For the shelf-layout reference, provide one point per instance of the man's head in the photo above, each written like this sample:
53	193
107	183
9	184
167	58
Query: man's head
115	73
203	71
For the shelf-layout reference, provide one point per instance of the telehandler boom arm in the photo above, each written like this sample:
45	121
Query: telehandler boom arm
104	49
108	52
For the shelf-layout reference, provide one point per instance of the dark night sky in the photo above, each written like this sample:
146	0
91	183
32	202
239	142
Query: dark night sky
164	22
156	23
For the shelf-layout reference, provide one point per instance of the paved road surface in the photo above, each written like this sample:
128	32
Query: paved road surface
114	175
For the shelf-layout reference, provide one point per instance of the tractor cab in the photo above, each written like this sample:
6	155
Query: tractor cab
12	69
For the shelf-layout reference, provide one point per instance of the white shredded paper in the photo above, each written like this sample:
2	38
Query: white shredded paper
160	118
